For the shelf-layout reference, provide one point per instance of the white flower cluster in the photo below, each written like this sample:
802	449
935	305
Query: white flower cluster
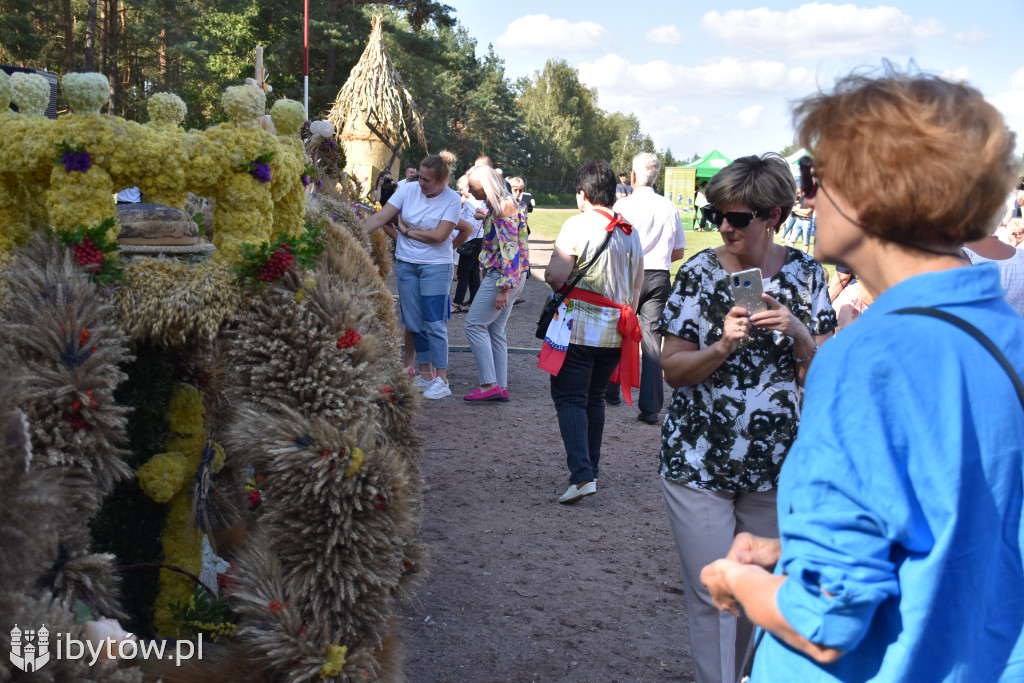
166	110
288	116
323	129
245	104
31	93
6	90
86	93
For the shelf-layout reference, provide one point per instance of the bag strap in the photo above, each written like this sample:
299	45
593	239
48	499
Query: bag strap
583	271
978	335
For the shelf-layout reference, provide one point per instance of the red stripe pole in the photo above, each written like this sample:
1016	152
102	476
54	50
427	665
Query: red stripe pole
305	70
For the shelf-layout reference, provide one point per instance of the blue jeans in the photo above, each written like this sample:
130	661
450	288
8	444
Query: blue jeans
802	230
423	297
578	392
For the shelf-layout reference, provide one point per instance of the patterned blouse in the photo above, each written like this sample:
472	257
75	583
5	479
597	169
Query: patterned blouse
506	248
732	431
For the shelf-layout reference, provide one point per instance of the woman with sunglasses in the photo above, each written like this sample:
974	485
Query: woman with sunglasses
737	376
900	548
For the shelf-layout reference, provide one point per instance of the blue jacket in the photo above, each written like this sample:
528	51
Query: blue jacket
901	497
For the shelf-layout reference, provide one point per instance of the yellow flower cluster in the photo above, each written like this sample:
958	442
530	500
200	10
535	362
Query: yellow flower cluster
164	161
85	92
288	117
72	199
245	104
167	477
166	110
162	476
225	629
6	90
357	462
335	661
31	93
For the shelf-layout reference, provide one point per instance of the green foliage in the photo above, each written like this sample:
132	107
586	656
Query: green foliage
205	614
554	201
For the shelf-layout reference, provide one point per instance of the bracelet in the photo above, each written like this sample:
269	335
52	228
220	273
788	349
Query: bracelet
808	358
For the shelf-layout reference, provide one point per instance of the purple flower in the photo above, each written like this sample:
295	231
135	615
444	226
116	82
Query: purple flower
319	184
329	144
260	172
305	180
76	161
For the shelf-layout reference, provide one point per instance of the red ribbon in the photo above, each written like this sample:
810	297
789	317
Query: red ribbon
616	221
627	374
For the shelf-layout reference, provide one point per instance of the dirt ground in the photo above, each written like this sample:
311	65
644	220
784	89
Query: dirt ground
520	588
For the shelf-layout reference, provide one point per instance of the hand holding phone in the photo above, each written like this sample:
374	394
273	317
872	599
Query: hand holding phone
747	288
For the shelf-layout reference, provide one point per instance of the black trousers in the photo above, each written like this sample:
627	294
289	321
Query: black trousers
653	295
469	273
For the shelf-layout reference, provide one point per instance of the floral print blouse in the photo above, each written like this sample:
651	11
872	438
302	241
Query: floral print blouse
732	431
506	248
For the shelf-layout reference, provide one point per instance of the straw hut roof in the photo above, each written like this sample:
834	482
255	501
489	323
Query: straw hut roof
375	84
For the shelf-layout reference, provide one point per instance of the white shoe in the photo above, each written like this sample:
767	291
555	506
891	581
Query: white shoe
437	389
574	493
421	383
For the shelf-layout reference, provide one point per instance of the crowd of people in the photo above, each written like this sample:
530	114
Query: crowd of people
841	465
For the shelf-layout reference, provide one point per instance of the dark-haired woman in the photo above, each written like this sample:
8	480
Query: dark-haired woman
738	379
584	344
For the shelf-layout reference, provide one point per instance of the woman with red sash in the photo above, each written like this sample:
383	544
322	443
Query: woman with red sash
595	330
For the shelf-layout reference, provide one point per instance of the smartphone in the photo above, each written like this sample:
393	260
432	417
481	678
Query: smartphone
747	288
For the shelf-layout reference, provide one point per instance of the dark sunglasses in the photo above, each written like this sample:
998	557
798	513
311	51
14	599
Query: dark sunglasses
808	182
737	219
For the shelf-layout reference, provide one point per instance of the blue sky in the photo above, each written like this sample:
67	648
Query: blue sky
725	75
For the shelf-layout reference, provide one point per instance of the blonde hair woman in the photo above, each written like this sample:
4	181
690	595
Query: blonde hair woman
428	214
505	259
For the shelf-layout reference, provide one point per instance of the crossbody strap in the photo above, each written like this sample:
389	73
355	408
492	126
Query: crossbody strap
583	271
978	335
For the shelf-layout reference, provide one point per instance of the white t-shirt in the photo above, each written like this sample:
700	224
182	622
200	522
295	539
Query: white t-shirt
657	221
469	209
420	212
1011	274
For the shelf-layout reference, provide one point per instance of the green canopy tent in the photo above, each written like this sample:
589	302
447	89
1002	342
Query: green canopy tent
709	164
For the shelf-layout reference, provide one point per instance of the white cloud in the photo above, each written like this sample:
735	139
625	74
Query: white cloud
613	74
969	40
664	35
540	32
749	117
960	74
818	31
1017	79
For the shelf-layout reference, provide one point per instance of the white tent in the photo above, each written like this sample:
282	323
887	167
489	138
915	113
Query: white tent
794	161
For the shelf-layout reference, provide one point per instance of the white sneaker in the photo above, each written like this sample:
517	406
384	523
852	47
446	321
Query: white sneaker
575	493
437	389
421	383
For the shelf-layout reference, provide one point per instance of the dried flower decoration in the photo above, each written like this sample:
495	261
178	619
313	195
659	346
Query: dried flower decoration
245	104
270	260
87	93
6	91
259	168
95	252
288	116
31	93
166	110
349	339
73	158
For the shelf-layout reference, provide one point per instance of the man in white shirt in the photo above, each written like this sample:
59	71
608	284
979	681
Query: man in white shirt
656	220
410	176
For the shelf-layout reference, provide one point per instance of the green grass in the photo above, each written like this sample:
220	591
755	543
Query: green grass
547	223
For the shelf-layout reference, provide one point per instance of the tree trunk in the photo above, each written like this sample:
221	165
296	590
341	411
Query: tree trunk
90	38
114	72
103	39
165	17
69	37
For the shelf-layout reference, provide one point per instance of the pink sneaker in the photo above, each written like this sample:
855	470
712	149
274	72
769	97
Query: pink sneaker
504	395
493	394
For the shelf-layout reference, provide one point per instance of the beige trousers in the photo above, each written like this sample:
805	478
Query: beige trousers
704	524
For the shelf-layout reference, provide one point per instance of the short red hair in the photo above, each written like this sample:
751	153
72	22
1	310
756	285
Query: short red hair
922	159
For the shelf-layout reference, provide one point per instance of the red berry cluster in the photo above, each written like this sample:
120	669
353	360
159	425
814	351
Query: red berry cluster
280	261
349	339
76	421
88	255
